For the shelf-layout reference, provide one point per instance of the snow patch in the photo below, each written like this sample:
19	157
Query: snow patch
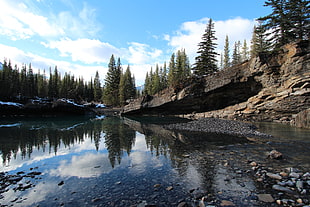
11	104
100	106
9	125
71	102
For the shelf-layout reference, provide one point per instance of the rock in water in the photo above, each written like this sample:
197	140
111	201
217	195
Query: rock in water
274	154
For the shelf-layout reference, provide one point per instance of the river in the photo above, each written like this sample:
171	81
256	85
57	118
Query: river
110	161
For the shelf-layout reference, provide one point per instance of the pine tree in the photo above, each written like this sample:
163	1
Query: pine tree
245	51
127	89
288	21
259	43
171	74
276	22
298	12
156	81
206	62
163	77
31	83
226	61
112	81
146	84
97	88
236	58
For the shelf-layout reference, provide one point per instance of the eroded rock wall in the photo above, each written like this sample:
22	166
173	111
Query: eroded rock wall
265	88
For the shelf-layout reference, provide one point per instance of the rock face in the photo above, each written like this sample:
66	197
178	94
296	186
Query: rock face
265	88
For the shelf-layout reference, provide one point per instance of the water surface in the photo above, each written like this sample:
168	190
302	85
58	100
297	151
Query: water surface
77	161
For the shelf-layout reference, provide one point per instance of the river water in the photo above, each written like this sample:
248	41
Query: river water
110	161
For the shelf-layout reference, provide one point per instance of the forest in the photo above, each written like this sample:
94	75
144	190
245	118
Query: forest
288	22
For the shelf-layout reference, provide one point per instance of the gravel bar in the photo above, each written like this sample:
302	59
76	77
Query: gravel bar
219	126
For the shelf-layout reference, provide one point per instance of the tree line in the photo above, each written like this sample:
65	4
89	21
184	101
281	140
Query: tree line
22	84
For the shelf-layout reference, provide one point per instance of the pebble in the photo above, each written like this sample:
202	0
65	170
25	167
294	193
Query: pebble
294	175
227	203
253	164
274	176
267	198
169	188
299	200
299	185
283	189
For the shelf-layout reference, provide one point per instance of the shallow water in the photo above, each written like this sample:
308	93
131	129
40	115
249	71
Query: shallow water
77	161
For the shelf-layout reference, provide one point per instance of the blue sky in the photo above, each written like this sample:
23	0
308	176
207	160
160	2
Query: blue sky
80	36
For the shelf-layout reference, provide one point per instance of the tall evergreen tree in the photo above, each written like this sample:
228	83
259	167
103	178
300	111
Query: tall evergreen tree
156	81
298	12
288	21
112	80
147	84
172	69
236	58
97	87
245	51
276	23
259	42
127	89
226	61
206	61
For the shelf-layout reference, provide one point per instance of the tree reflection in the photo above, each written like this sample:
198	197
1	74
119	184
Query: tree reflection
52	133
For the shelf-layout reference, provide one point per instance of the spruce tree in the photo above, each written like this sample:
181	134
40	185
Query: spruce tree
288	21
156	81
97	88
226	61
146	84
171	74
236	58
127	89
259	43
298	12
245	51
206	62
112	80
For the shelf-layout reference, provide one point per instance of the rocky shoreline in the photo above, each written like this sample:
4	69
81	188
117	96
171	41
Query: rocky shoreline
277	184
219	126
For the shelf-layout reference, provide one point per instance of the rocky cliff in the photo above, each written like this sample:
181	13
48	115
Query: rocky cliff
266	88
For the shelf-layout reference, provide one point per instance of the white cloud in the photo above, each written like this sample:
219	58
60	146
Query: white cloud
190	33
237	29
18	22
140	54
84	50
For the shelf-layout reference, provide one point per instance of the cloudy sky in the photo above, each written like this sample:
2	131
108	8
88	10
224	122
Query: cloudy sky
80	36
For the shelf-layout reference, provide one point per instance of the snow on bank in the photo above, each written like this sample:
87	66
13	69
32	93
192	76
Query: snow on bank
9	125
100	106
70	102
11	104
